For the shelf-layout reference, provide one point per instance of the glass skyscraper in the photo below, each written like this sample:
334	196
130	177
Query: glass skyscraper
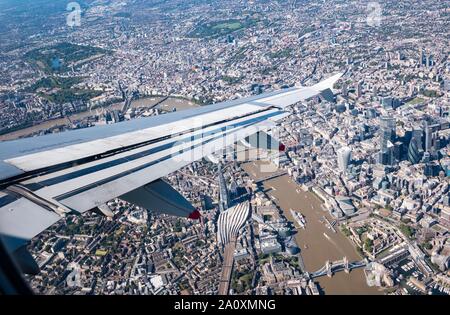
415	147
387	139
343	157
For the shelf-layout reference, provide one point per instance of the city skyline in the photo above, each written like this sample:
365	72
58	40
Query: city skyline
343	187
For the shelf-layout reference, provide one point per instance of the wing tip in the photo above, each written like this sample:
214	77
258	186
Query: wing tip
328	83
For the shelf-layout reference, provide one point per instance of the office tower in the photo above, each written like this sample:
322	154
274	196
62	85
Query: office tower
344	155
437	143
428	135
388	132
359	89
426	157
429	61
415	147
412	89
374	91
431	169
446	200
344	89
224	202
387	139
421	56
387	102
397	151
446	84
390	102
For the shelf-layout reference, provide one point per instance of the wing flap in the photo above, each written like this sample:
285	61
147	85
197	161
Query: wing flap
22	220
262	140
160	197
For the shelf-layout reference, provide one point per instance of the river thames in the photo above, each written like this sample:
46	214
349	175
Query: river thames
167	105
317	242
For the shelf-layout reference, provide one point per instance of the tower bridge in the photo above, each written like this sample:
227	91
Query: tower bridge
340	265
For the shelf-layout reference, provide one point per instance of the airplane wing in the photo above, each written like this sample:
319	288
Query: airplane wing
43	179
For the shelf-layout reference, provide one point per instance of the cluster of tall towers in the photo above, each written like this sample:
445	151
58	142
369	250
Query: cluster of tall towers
424	59
418	149
421	145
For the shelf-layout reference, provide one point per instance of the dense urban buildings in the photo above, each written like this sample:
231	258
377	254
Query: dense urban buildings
365	170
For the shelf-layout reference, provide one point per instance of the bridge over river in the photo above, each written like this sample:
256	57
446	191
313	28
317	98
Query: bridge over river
341	265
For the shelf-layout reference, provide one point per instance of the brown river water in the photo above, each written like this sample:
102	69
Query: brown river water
319	248
167	105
